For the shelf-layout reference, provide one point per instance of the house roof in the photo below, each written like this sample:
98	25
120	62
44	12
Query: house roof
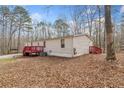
71	36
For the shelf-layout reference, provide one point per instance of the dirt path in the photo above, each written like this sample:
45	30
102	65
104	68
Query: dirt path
11	55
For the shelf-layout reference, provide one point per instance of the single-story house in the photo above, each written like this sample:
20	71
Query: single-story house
69	46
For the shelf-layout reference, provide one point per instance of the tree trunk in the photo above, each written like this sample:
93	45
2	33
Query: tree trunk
18	44
96	39
49	35
104	42
3	36
109	34
99	26
10	38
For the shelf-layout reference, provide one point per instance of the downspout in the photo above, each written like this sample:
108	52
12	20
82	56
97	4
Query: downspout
72	47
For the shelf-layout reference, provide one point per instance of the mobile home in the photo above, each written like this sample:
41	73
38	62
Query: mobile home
69	46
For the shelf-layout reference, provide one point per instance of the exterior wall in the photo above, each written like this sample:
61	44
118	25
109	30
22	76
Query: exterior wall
53	47
34	43
81	44
40	43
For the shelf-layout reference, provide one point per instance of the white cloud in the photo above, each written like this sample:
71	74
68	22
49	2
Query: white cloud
122	9
36	17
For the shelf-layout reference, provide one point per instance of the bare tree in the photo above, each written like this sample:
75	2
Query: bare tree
90	12
61	27
78	20
4	14
99	11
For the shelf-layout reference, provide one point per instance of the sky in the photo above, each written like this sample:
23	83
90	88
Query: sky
48	13
51	13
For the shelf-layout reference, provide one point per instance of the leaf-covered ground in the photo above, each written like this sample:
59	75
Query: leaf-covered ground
83	71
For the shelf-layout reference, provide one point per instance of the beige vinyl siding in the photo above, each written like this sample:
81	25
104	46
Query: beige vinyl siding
82	45
40	43
53	47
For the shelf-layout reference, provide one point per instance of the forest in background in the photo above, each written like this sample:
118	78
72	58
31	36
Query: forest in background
17	26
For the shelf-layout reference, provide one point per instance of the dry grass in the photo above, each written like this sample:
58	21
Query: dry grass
7	60
83	71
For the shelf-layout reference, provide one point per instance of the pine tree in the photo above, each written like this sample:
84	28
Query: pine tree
23	19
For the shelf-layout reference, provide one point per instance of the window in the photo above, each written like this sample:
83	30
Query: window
62	43
44	43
